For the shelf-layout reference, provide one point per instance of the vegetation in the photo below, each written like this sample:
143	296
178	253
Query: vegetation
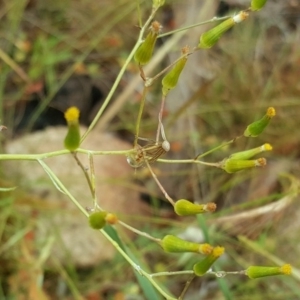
227	197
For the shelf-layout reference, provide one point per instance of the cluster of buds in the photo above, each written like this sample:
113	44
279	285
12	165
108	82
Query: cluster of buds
241	160
99	219
72	139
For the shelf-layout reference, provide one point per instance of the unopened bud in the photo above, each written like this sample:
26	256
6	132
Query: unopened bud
261	271
170	80
144	53
210	37
257	4
234	165
257	127
171	243
97	219
251	152
203	266
72	139
184	207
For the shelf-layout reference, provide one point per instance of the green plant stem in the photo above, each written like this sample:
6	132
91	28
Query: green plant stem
139	118
141	233
159	184
160	115
119	77
86	174
136	267
187	285
188	161
214	19
170	66
61	152
174	273
217	148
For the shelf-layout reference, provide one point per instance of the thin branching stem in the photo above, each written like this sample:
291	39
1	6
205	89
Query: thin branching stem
217	148
141	233
172	273
159	184
187	285
160	115
189	161
119	77
85	172
214	19
62	152
136	267
139	118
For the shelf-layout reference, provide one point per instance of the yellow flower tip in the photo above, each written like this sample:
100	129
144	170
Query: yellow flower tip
261	162
217	251
286	269
72	114
211	207
206	249
271	112
111	219
267	147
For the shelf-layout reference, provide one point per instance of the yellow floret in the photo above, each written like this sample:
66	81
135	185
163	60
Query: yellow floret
72	114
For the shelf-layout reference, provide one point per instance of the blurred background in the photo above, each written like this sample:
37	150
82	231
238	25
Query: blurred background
56	54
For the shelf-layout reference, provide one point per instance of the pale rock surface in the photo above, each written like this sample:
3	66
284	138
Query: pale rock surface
113	175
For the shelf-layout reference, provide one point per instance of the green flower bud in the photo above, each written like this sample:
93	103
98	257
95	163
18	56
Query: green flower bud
210	37
251	152
234	165
257	4
171	79
260	271
171	243
145	50
257	127
203	266
184	207
157	3
72	139
97	219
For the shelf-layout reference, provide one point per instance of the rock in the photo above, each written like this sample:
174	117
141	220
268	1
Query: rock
61	218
